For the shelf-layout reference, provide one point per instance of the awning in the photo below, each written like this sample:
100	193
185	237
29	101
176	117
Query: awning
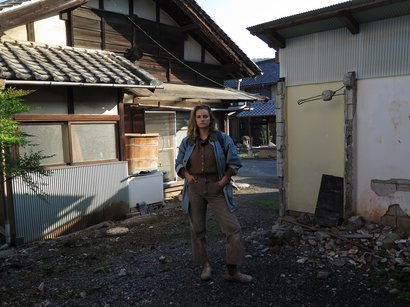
183	95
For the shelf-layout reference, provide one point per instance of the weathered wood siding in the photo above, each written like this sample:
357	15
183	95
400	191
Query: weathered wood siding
114	32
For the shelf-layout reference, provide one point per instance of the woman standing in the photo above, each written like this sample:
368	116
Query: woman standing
207	159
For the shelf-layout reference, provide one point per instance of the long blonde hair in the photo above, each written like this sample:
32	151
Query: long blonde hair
193	131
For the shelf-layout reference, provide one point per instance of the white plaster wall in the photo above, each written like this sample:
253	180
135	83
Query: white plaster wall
145	9
166	19
117	6
383	142
192	50
46	100
209	59
97	101
50	31
92	4
17	33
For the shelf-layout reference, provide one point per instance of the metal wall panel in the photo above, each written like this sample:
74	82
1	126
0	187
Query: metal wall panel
72	194
381	49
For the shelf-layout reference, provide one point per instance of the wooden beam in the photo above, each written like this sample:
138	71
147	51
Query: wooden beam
189	27
65	117
276	41
185	103
350	23
24	14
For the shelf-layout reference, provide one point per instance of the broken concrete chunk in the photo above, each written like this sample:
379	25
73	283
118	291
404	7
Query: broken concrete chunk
117	231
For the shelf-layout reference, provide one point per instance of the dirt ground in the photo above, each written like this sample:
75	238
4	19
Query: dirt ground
151	265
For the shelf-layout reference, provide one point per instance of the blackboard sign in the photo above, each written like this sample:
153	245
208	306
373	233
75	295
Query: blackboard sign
329	206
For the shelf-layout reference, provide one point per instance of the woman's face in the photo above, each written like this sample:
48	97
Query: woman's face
202	118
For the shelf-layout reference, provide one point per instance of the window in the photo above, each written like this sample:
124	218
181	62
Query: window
72	141
93	142
164	124
47	138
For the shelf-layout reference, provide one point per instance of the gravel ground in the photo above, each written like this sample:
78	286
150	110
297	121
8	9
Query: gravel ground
151	265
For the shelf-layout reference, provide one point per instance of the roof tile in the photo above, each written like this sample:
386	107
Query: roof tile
258	109
39	62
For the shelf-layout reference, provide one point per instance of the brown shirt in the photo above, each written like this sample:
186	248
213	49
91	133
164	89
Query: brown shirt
203	163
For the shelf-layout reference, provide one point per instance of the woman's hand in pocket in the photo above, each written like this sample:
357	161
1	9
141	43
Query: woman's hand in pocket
223	182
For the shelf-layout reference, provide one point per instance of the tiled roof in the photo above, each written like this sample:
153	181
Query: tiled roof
258	109
270	75
34	62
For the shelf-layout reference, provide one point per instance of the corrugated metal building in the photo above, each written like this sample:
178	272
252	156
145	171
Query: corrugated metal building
343	108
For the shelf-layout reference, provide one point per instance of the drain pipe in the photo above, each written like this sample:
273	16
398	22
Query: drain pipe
57	83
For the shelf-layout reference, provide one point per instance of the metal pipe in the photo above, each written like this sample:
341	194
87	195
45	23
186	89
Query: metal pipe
23	82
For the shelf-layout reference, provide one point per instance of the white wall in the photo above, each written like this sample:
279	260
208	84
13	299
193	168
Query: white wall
47	100
102	102
17	33
383	142
116	6
50	31
192	50
209	59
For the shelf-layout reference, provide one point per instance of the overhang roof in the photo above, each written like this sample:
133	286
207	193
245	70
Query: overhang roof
17	12
259	109
25	62
200	25
350	15
182	95
269	76
187	13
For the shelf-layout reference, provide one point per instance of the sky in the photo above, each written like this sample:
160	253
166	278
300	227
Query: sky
234	16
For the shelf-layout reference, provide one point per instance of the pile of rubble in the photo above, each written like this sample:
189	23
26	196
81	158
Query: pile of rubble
355	243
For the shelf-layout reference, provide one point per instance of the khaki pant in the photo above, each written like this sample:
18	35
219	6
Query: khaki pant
203	194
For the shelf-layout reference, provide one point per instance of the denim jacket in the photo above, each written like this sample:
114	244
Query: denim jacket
230	159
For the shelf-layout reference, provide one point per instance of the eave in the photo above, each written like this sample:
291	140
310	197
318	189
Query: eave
34	10
182	95
349	15
203	26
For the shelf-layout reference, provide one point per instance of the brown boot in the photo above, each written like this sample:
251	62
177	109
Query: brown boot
232	274
238	277
206	273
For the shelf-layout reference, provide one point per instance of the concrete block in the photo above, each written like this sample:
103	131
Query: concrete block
403	224
383	187
280	129
279	169
388	220
349	111
280	116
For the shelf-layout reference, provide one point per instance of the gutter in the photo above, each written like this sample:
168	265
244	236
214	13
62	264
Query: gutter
56	83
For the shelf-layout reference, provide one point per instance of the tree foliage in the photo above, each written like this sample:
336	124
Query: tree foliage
12	165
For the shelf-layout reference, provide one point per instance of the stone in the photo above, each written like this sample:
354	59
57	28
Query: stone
117	231
323	275
389	240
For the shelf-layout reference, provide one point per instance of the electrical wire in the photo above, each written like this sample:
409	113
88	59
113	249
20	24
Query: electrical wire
173	56
182	62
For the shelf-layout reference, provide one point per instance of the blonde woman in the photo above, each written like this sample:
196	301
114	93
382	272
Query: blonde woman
207	159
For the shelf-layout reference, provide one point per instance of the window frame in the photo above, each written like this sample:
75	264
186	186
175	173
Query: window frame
69	121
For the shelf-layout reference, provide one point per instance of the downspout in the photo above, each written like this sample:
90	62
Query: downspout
239	84
281	145
56	83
